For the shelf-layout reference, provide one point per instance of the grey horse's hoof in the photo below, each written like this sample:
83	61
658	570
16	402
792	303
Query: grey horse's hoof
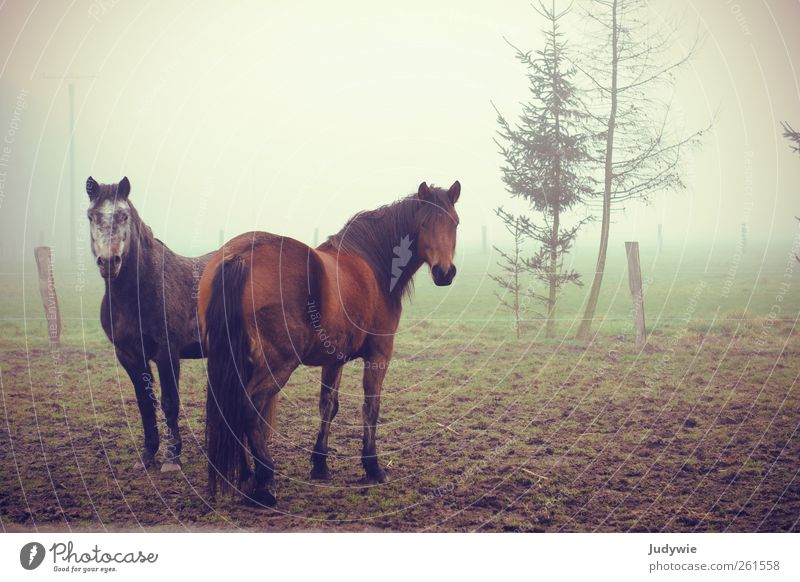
146	460
321	474
171	467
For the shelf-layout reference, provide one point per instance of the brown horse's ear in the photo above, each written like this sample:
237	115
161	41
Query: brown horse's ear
92	188
123	188
454	192
424	193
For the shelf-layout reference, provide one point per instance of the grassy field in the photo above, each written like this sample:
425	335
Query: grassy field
480	431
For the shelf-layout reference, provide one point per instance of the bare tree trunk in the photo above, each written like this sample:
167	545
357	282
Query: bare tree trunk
551	298
516	285
585	326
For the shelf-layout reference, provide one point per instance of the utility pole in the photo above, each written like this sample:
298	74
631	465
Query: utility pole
744	238
72	212
73	215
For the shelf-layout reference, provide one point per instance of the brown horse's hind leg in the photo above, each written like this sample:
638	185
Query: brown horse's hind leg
328	406
374	372
263	390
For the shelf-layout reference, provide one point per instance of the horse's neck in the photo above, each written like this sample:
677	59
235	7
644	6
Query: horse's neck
407	270
407	275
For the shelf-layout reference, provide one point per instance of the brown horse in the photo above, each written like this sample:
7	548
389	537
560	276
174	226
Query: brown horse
269	303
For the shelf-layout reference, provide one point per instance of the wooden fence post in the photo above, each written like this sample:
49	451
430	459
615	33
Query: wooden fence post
47	290
635	284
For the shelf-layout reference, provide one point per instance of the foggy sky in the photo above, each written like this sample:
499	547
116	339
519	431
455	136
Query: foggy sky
290	116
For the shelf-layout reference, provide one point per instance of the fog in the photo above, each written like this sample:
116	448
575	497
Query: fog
291	116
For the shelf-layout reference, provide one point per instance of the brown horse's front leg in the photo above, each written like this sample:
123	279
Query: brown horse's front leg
374	372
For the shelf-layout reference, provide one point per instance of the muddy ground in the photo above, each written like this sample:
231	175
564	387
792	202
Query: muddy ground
696	433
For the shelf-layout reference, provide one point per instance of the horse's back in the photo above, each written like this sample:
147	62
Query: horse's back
171	307
283	282
311	305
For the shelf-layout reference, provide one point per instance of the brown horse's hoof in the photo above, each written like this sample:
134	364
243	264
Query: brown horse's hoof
171	467
261	498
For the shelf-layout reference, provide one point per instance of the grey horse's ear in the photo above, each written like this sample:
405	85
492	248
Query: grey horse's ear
92	188
124	188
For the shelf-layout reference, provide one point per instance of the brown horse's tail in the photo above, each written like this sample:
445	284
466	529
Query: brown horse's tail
229	372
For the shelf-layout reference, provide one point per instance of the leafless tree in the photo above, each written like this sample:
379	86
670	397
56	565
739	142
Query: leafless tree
630	71
792	135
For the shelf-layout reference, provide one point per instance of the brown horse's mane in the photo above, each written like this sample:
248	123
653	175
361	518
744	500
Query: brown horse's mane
376	234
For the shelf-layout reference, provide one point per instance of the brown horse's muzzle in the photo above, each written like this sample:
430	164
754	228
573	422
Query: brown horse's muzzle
441	278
